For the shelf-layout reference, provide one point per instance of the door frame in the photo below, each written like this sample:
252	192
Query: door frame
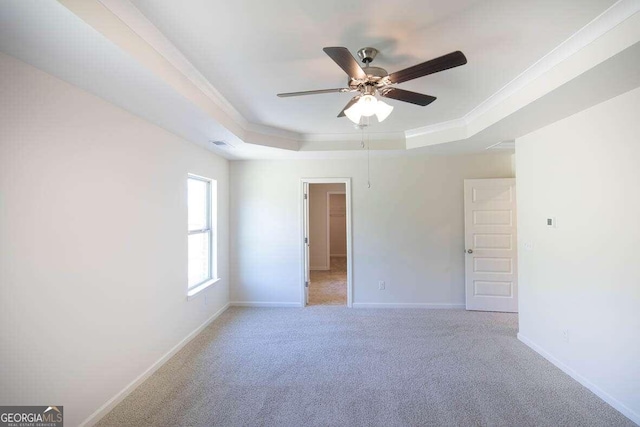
304	222
329	193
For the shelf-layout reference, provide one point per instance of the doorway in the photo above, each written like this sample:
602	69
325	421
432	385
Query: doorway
326	242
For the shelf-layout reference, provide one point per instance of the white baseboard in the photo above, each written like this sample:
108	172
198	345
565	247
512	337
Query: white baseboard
263	304
408	305
615	403
111	403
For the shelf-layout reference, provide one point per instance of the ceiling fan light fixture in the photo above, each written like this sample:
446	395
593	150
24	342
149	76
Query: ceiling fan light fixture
354	113
383	110
368	105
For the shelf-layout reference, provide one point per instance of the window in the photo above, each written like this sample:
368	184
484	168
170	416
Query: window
201	208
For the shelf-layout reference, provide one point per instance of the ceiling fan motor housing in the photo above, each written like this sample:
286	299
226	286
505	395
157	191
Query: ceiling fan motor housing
376	76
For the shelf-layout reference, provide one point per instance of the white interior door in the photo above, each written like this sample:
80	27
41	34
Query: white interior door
305	216
491	275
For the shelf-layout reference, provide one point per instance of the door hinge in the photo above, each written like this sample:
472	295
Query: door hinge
305	196
306	284
306	240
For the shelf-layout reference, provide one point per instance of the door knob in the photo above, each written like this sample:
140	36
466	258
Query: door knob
469	251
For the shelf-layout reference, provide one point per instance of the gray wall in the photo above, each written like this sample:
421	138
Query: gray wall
580	282
408	228
93	220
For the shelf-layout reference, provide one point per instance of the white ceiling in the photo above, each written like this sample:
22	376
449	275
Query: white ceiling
249	50
51	38
109	48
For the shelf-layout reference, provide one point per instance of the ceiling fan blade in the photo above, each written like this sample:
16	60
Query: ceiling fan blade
450	60
346	107
408	96
346	61
312	92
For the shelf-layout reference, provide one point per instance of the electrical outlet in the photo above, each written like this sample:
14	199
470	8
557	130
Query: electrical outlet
565	335
381	285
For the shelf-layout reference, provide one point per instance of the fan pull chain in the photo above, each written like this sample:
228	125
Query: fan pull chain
362	144
368	161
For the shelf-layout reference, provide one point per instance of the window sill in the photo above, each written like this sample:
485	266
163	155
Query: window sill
192	293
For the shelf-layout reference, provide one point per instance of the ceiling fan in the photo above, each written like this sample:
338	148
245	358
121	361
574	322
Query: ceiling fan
370	81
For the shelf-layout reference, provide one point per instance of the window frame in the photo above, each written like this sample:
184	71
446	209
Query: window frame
210	229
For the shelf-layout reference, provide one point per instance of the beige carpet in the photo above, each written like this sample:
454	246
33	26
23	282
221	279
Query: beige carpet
329	287
335	366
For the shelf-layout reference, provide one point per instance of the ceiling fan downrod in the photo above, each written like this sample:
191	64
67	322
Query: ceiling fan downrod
367	54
